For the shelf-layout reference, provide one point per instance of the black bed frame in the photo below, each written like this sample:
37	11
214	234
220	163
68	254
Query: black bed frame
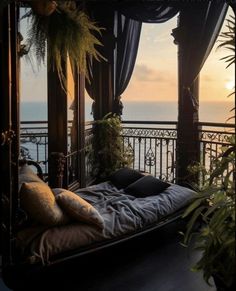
23	273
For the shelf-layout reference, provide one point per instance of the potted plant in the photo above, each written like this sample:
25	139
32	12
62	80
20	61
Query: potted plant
214	206
62	30
109	152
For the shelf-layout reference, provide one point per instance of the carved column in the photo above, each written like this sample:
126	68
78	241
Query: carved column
57	163
57	123
104	91
8	129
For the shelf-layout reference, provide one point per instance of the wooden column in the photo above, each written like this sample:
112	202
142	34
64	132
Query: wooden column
57	130
104	69
187	137
79	96
8	130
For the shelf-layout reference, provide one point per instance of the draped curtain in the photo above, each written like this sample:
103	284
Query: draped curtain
128	18
202	26
204	20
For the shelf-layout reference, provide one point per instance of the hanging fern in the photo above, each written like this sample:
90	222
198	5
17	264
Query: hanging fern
66	32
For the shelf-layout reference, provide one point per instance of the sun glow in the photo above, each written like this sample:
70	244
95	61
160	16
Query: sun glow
230	85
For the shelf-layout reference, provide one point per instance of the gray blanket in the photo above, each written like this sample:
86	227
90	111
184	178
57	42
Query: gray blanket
123	213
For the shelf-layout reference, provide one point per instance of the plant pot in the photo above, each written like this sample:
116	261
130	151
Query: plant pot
220	285
43	7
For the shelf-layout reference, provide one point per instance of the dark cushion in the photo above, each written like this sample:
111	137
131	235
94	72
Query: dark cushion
125	176
146	186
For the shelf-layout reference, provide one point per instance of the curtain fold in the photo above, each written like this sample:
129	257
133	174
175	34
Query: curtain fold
202	26
127	23
127	35
203	19
150	11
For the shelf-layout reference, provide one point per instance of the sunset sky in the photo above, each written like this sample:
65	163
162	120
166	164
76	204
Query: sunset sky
155	74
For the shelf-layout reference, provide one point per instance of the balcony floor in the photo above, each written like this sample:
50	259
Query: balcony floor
155	263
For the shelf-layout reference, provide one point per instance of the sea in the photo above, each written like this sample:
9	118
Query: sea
218	112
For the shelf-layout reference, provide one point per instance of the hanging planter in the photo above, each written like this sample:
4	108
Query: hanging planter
67	32
43	7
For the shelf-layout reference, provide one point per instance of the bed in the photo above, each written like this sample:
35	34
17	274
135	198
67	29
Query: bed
129	204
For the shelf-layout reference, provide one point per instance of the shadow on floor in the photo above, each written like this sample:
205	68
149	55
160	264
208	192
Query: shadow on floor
156	262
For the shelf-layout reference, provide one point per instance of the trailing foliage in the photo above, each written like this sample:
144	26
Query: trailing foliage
109	152
214	205
68	31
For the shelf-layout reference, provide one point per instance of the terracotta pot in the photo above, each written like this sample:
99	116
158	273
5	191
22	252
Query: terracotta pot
43	7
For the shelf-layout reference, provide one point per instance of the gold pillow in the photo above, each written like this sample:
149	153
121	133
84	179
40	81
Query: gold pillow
79	209
27	175
38	201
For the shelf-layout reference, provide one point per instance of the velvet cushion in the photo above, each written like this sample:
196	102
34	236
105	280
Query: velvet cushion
37	199
146	186
124	177
78	209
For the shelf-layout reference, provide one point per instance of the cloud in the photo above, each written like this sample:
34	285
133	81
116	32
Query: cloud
143	73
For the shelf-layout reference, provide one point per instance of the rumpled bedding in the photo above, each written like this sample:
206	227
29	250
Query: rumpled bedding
122	213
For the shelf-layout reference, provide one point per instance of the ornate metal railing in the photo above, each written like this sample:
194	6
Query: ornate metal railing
152	144
34	142
34	145
213	138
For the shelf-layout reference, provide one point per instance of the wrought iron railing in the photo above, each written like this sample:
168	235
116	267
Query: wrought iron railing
152	144
34	142
34	145
213	138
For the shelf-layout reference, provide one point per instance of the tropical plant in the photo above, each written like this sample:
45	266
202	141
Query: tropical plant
227	41
214	206
109	152
67	32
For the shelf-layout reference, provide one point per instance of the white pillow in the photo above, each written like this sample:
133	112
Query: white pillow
77	208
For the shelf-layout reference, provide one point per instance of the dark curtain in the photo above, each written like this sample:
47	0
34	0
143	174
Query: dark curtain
197	38
128	18
150	11
204	20
127	33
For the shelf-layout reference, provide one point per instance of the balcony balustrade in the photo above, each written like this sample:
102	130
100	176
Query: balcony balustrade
152	145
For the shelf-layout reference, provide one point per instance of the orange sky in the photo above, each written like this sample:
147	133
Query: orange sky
155	74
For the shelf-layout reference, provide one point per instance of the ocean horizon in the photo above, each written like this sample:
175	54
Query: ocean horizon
144	111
